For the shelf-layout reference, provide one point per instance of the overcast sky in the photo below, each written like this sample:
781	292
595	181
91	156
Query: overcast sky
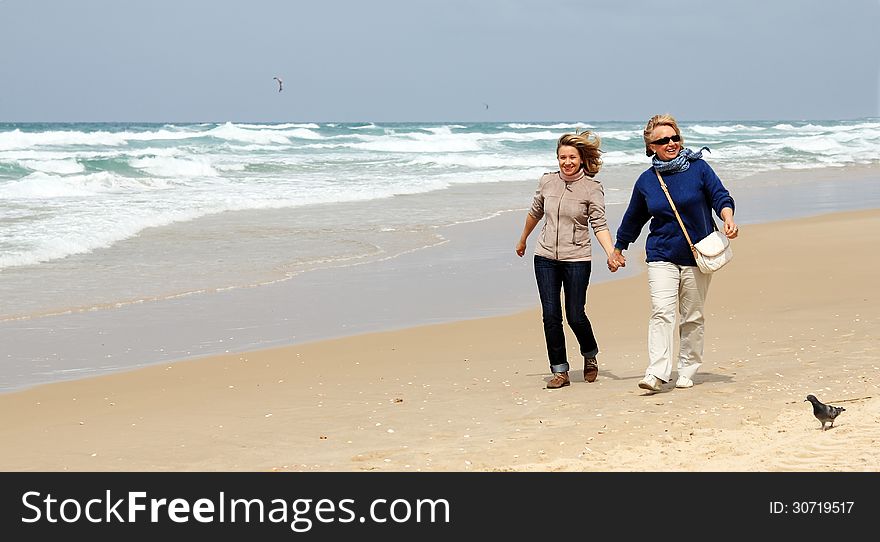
438	60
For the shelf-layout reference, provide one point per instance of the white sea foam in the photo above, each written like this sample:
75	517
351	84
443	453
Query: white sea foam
718	130
325	145
197	166
418	143
616	158
64	166
78	154
523	137
16	139
39	185
232	132
86	231
482	160
79	188
285	126
439	139
621	135
557	126
811	144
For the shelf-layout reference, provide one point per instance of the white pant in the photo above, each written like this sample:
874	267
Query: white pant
686	287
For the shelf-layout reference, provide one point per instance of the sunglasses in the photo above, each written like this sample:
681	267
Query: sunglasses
664	140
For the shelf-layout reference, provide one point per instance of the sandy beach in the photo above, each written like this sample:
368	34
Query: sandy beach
796	313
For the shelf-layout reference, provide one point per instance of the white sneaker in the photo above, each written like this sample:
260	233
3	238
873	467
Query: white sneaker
684	382
650	382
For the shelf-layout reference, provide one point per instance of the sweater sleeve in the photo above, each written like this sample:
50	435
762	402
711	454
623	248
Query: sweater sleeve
717	196
634	219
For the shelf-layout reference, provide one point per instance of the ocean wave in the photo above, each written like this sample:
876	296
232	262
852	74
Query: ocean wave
481	161
718	130
83	155
418	146
176	167
63	166
438	139
64	236
557	126
85	178
442	139
619	158
45	186
621	135
363	127
231	132
285	126
17	139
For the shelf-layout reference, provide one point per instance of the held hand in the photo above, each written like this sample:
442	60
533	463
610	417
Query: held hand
520	248
616	261
613	266
731	230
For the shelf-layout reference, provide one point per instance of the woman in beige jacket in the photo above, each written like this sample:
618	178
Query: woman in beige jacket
571	201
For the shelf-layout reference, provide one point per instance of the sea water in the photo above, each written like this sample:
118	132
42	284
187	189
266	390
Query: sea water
96	215
95	218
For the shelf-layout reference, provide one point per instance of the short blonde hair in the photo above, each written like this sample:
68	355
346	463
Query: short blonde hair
659	120
587	144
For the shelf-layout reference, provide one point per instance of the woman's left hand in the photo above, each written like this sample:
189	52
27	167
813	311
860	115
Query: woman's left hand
731	230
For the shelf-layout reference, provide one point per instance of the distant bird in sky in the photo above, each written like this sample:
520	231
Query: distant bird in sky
280	83
485	105
824	413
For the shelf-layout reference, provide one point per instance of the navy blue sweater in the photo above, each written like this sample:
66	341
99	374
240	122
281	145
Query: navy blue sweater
696	191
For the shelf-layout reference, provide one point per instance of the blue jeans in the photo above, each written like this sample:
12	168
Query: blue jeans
572	278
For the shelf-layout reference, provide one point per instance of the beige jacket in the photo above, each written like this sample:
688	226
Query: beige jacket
568	206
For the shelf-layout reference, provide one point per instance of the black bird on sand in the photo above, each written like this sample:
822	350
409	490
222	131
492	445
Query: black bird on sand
824	413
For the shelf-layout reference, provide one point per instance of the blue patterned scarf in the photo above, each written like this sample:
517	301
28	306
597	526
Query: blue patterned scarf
680	162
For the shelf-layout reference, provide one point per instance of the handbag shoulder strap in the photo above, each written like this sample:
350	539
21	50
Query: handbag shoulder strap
674	210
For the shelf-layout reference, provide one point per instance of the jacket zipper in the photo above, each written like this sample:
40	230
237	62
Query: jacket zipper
558	210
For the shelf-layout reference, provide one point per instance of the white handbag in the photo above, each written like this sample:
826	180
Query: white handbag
711	252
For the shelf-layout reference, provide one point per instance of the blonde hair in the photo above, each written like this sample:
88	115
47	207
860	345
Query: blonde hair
587	144
659	120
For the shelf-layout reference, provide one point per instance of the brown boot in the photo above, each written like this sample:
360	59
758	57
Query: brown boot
559	380
591	369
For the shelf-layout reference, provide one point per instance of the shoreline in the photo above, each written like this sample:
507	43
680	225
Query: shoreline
472	274
468	395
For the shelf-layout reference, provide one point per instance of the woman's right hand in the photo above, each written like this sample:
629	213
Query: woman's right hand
521	248
616	261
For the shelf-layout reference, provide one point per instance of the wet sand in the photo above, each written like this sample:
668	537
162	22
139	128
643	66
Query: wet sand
785	319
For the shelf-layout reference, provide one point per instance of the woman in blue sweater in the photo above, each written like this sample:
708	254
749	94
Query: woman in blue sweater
673	276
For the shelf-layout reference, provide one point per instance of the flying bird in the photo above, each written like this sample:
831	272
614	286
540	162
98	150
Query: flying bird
280	83
824	413
485	105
